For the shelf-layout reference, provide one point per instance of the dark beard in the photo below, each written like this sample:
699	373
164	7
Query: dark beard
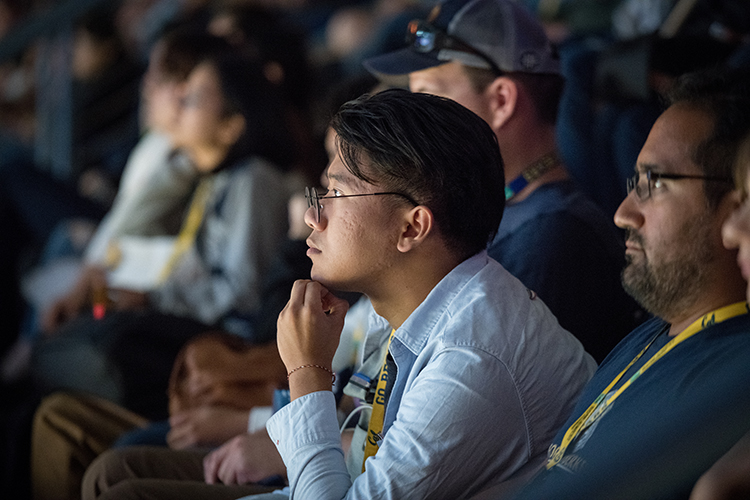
672	287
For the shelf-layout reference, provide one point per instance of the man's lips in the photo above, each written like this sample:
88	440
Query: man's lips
633	241
313	249
632	246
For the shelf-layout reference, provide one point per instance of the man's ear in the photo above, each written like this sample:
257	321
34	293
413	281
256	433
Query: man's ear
418	223
232	129
503	98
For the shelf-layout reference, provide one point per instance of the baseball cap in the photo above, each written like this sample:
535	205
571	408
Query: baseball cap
500	35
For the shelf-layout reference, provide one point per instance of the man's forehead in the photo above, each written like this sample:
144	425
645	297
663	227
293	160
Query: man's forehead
338	172
672	142
437	77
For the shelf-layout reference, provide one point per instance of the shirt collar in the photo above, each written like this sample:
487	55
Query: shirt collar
418	327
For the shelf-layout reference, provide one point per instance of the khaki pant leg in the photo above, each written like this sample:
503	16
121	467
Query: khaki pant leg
116	466
166	489
154	472
69	432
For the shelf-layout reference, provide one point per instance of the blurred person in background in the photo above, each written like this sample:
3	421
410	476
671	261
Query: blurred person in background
103	104
231	129
152	197
71	429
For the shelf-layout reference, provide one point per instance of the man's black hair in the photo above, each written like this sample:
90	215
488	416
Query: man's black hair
433	150
724	94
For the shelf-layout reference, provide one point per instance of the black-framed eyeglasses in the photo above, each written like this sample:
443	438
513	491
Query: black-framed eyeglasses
653	181
314	197
422	37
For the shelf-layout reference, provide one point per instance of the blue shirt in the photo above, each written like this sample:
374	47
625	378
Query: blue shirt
667	428
485	377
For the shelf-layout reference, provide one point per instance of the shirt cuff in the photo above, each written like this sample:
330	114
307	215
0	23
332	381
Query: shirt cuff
308	421
258	417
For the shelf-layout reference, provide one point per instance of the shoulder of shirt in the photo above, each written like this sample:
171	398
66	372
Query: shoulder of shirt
561	210
633	342
461	308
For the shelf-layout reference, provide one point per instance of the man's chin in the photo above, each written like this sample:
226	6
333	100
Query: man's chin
634	269
322	279
633	259
331	284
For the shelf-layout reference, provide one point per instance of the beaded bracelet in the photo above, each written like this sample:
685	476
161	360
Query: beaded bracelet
333	375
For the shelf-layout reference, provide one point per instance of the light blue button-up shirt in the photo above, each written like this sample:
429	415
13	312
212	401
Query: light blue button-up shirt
485	377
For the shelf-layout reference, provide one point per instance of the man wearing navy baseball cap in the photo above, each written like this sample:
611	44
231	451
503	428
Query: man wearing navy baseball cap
499	36
493	57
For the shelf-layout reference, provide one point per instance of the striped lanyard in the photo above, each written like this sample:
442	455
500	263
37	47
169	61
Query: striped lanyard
190	227
377	417
601	403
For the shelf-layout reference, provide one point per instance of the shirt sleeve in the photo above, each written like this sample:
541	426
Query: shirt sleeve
460	426
576	272
307	436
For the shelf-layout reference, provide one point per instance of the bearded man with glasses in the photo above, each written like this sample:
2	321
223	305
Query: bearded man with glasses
672	397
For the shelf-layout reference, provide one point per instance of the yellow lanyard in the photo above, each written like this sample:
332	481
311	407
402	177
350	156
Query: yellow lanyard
598	407
377	416
190	227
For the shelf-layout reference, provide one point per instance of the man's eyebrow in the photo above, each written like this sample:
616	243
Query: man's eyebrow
647	167
339	178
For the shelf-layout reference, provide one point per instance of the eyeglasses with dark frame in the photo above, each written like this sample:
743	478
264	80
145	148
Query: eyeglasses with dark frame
424	38
313	198
643	192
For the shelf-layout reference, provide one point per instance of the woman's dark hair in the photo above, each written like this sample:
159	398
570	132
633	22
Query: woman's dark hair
246	91
266	35
184	48
433	150
99	23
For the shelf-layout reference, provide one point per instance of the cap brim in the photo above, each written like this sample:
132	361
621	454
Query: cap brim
400	62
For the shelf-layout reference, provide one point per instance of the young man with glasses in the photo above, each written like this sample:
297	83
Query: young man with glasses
477	372
494	58
672	397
